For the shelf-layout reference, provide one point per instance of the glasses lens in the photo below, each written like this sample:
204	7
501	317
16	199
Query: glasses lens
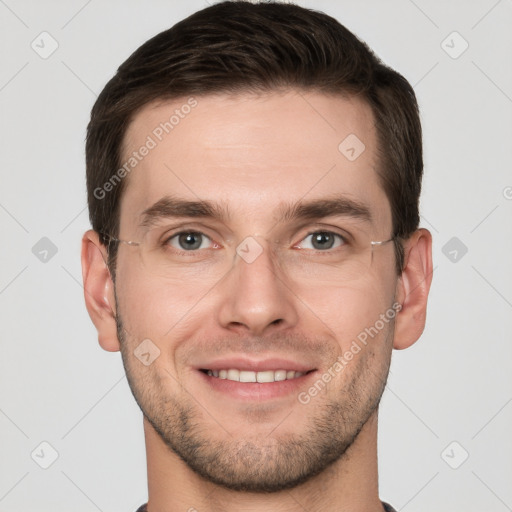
321	257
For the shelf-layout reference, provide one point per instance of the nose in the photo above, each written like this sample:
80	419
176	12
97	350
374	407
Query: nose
256	297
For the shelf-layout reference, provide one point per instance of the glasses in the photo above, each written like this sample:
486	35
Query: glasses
316	255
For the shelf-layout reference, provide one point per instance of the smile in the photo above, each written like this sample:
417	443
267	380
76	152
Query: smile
251	376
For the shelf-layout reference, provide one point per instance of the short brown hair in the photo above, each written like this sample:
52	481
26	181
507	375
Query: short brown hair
239	46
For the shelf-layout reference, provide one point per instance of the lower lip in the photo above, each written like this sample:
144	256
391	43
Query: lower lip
256	390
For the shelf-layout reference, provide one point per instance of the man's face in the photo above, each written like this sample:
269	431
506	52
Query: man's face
256	283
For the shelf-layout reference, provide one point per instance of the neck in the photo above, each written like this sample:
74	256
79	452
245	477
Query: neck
351	483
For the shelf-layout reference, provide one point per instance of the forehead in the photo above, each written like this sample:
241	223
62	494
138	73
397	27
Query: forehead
252	153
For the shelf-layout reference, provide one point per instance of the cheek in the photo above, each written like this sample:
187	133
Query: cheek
345	312
156	308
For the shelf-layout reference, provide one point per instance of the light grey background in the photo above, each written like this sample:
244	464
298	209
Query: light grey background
57	385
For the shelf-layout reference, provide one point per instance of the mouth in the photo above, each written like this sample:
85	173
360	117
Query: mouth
262	377
246	379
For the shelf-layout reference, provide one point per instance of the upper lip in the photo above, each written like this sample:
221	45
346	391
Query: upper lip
256	365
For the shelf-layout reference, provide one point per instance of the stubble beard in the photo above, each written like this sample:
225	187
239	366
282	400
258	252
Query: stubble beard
257	464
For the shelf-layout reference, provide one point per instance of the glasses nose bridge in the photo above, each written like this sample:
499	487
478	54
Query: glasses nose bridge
255	248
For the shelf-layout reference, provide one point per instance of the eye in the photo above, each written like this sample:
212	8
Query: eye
189	241
321	241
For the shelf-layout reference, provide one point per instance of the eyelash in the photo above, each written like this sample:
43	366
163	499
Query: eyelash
166	241
344	240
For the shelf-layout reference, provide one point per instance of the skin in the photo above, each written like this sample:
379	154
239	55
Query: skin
210	451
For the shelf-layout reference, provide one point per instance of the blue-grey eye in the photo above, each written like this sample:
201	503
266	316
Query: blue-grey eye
189	241
321	241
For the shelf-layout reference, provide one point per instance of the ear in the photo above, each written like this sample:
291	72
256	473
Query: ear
412	289
99	290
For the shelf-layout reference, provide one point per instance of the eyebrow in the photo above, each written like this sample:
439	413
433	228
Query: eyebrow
329	207
171	207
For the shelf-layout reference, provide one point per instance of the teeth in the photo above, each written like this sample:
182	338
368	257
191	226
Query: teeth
246	376
267	376
233	375
249	376
280	375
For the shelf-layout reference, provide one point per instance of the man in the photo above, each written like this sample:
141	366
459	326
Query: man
253	179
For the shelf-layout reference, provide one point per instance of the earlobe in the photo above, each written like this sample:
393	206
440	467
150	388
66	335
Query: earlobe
99	291
413	288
